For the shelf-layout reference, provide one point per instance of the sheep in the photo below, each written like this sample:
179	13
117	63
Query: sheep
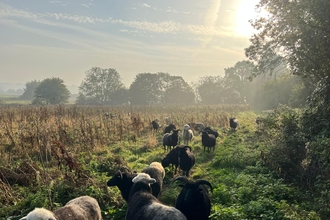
186	159
208	140
233	122
179	156
170	140
156	171
39	214
155	125
144	206
194	200
198	126
209	130
123	180
187	134
169	128
80	208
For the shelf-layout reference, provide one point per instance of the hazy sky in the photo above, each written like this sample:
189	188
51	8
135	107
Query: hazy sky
190	38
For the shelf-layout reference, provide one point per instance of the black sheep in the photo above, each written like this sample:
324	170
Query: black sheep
169	128
209	130
155	125
144	206
170	140
123	180
186	159
233	122
179	156
194	200
208	140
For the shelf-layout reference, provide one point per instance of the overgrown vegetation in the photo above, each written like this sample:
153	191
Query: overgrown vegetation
51	154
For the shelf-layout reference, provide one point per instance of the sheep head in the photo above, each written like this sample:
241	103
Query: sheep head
143	177
186	127
39	214
114	180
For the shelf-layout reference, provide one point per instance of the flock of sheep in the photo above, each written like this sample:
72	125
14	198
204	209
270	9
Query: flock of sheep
142	190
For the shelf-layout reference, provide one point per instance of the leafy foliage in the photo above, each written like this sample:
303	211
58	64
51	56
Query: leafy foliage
294	33
51	91
29	90
102	86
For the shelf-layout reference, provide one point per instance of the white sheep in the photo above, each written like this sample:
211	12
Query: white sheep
187	134
81	208
40	214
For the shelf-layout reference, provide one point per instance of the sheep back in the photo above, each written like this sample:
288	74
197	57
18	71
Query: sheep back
208	140
81	208
144	206
39	214
186	159
194	200
211	131
158	175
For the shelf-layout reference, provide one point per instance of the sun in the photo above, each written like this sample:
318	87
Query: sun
245	12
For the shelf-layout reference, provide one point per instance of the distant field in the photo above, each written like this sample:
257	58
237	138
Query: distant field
9	99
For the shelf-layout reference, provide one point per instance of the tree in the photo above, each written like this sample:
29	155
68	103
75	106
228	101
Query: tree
178	92
51	91
29	90
100	86
147	88
297	33
160	88
236	82
210	90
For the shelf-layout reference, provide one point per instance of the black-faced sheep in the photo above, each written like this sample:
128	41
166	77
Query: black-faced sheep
169	128
81	208
123	180
187	134
233	123
155	125
194	200
179	157
208	140
144	206
209	130
170	140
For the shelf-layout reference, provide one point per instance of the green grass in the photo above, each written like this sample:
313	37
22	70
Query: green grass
242	187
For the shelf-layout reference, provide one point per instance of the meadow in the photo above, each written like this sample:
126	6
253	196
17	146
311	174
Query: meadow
51	154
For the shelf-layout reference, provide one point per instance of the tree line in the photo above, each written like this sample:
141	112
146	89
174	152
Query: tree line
105	87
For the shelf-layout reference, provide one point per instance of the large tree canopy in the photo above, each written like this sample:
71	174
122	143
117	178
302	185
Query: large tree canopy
51	91
101	86
159	88
297	33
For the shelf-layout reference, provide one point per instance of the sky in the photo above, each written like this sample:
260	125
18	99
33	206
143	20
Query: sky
64	38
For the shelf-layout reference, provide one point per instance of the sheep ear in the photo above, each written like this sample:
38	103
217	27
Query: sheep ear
151	180
24	218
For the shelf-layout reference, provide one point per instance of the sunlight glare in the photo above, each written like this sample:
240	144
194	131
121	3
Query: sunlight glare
245	12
